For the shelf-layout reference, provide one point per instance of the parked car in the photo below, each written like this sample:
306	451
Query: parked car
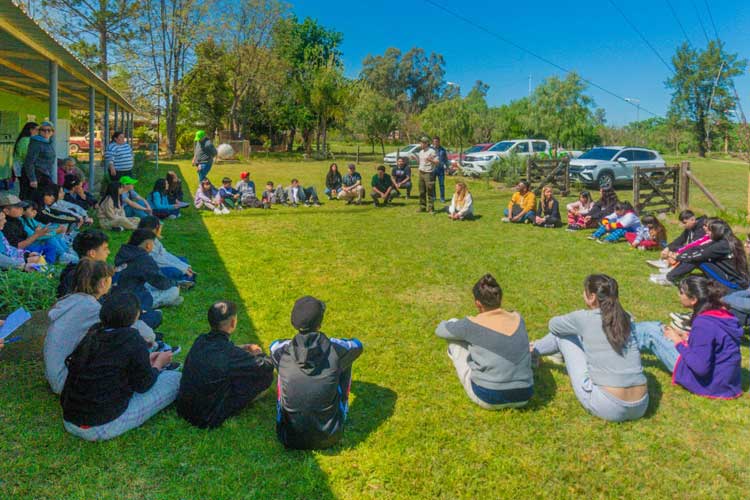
477	164
409	152
476	148
612	164
77	144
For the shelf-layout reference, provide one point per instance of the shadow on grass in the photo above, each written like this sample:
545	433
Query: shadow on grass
545	389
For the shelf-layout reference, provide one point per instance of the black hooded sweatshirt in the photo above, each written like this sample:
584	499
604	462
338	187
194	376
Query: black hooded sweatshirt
135	267
314	378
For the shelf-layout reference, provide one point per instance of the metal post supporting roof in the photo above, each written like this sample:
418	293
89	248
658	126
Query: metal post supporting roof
92	135
105	128
53	93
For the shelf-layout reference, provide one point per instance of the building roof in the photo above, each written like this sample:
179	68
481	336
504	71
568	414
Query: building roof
25	52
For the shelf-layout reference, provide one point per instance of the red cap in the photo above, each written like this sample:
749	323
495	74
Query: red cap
244	175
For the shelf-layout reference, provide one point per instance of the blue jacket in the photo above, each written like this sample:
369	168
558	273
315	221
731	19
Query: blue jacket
41	159
159	201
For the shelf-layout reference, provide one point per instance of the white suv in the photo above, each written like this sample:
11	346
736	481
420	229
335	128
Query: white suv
479	163
612	165
409	152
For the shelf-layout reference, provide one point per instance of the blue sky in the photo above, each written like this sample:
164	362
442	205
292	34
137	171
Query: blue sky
587	36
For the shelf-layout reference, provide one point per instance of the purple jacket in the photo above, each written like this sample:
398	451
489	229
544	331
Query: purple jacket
709	362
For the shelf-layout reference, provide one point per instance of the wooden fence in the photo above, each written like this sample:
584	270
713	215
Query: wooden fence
552	173
666	189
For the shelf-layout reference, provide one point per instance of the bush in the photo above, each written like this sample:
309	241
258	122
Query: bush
509	169
33	291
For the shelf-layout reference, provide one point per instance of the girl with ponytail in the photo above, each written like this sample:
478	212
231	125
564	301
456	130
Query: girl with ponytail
706	359
600	354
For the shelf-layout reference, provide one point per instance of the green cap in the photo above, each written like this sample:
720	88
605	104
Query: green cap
200	134
424	138
128	181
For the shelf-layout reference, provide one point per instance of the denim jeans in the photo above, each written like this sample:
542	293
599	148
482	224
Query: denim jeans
46	248
529	217
649	335
204	169
440	176
141	407
595	400
134	212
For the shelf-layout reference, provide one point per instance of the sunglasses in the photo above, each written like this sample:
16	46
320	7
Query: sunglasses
45	130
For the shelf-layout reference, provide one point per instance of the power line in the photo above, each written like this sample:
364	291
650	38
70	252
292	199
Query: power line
676	18
700	21
653	49
711	17
530	52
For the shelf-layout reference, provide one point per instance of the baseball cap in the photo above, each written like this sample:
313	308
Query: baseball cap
307	313
244	175
424	138
11	200
126	180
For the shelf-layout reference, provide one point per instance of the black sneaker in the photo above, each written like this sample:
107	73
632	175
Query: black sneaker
174	365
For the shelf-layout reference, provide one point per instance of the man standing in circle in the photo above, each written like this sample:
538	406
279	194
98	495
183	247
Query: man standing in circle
428	160
203	155
442	156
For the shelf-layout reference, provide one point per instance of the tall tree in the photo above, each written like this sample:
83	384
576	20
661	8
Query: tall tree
304	48
451	119
92	28
702	87
374	115
327	96
207	94
170	31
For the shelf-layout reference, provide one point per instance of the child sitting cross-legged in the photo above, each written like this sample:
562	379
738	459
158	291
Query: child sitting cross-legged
111	214
229	195
171	266
114	383
315	374
652	235
159	201
272	196
207	198
220	378
616	225
579	210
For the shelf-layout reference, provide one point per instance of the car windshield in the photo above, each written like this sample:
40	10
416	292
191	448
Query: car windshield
502	146
473	149
599	154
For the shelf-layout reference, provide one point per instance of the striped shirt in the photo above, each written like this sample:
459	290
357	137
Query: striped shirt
119	154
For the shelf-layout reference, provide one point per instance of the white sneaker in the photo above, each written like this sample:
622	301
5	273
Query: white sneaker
172	217
505	219
658	264
225	210
680	316
660	279
555	359
217	211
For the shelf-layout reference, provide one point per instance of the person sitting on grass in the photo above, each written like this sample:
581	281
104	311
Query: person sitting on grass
229	195
296	194
134	204
616	225
110	213
90	244
49	212
351	186
272	196
15	234
159	201
600	353
68	167
462	204
114	383
382	187
12	257
722	259
522	204
207	198
579	210
490	351
219	378
333	181
171	266
605	206
246	188
314	379
694	229
57	238
138	273
77	195
652	235
549	210
174	190
401	175
706	358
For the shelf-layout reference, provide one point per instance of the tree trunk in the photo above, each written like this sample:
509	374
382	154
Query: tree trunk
325	135
290	144
382	146
173	108
103	56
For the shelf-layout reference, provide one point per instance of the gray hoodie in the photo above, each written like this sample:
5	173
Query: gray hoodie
70	318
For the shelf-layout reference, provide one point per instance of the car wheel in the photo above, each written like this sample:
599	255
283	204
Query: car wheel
74	149
606	178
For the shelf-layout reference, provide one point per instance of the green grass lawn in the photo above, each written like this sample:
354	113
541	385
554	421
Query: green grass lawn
388	276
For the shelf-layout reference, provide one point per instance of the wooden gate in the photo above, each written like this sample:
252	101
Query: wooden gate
656	190
552	173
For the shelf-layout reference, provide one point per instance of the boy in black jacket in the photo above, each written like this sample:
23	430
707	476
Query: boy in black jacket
315	374
220	378
137	272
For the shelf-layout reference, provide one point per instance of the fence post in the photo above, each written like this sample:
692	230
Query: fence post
636	189
683	199
357	162
567	176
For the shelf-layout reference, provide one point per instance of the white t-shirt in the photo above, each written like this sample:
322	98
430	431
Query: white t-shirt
425	159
